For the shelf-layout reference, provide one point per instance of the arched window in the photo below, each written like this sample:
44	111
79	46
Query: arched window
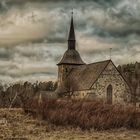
109	94
66	70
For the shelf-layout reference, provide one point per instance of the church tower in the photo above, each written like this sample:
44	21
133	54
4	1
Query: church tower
71	58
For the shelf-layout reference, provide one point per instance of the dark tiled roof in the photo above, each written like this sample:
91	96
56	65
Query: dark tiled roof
84	77
71	57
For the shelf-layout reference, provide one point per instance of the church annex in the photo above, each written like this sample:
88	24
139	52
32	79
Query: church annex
97	81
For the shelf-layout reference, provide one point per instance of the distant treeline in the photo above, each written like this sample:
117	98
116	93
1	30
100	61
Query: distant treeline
132	74
18	94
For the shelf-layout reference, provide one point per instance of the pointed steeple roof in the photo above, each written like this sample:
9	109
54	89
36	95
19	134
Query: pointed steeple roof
71	56
71	39
72	32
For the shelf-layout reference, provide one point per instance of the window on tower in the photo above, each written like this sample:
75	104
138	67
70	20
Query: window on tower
66	70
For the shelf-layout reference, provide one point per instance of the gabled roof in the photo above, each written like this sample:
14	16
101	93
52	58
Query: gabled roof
84	76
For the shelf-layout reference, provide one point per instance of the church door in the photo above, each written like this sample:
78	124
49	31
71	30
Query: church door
109	94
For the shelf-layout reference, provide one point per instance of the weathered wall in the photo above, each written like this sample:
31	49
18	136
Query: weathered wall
63	71
121	91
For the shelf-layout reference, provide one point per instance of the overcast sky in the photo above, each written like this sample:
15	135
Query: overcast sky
33	34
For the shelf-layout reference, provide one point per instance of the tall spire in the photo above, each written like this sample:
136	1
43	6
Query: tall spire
71	56
71	39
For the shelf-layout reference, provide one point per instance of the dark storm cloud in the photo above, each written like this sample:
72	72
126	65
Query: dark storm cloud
5	4
130	23
115	18
5	54
116	34
36	32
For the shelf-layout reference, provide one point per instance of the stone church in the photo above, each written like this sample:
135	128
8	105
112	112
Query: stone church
96	81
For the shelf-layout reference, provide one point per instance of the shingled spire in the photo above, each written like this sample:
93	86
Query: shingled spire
71	39
71	56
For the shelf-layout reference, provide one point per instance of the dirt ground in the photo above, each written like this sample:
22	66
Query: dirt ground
15	124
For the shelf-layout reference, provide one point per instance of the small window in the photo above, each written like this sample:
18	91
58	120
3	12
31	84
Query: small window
109	94
66	70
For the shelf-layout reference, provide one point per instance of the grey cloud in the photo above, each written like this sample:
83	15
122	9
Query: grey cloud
3	6
36	32
5	54
102	2
110	23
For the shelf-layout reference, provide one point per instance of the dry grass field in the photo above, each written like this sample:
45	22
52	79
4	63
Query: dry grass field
15	124
85	114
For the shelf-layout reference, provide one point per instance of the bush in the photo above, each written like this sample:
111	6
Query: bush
86	114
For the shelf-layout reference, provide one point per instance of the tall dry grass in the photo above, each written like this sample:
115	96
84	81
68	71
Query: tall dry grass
86	114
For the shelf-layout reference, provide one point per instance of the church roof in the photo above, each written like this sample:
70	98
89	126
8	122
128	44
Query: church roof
85	76
71	57
71	32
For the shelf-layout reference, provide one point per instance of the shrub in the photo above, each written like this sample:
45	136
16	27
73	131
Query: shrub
86	114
